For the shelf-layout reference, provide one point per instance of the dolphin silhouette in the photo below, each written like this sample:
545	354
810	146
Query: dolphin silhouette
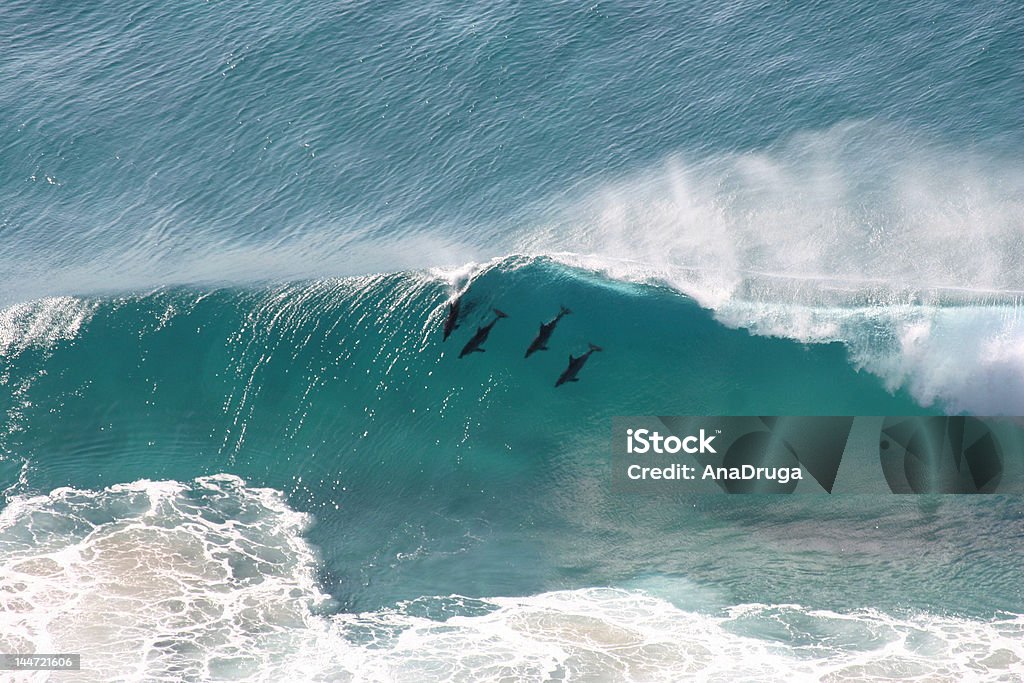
575	365
451	322
540	342
474	344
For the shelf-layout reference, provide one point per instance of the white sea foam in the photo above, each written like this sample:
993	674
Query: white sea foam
604	634
910	254
213	580
158	580
41	323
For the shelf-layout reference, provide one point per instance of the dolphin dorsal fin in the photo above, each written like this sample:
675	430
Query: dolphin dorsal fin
571	359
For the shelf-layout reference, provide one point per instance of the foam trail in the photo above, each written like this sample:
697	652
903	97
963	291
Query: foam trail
212	579
601	634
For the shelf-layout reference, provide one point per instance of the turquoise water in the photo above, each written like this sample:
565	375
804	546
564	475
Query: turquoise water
228	239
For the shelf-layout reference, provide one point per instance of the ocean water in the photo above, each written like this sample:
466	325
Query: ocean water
234	445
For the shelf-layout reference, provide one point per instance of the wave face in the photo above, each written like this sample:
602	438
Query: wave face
223	586
335	368
431	475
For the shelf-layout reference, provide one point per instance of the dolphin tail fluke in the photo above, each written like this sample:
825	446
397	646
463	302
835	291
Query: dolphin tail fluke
500	314
595	347
565	311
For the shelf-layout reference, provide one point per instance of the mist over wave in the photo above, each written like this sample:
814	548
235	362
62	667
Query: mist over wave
856	210
906	252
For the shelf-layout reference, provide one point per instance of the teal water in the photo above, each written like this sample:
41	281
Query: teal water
228	237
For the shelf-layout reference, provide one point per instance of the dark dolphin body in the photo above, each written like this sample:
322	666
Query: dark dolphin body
480	337
540	342
452	321
575	365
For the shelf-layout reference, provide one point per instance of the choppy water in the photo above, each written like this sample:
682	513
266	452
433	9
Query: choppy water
227	238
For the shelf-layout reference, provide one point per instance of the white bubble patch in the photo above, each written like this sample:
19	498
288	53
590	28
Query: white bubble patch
41	323
605	634
212	580
158	580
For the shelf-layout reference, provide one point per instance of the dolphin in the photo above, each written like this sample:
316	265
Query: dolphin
575	365
451	322
540	342
480	337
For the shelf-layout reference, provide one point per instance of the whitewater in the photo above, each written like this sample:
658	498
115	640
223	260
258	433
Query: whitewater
224	586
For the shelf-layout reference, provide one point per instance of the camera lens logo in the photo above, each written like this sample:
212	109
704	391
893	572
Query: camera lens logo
940	455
